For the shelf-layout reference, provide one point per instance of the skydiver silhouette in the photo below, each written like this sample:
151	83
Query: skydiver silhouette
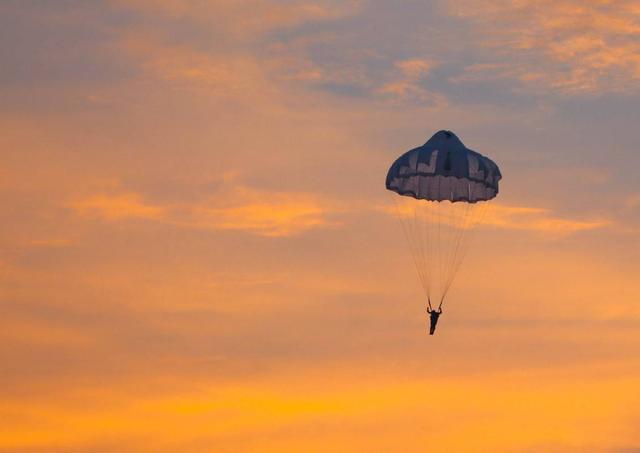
434	315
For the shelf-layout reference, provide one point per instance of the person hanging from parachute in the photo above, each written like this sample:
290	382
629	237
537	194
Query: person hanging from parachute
433	315
444	188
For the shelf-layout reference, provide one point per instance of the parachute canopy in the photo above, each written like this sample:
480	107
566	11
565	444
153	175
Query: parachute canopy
444	169
445	187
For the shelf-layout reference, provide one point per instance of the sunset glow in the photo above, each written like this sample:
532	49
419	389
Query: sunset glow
199	253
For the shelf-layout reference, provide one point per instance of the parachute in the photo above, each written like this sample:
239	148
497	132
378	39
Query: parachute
444	188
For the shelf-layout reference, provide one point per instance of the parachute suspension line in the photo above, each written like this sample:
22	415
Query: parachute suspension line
419	248
409	230
410	239
429	207
460	226
451	223
442	247
420	208
437	228
439	242
479	212
459	247
425	211
416	245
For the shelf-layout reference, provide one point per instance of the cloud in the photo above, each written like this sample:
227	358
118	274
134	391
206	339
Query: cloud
117	207
43	333
244	46
537	219
183	67
165	283
567	46
409	85
502	216
282	214
265	213
49	242
415	69
246	19
632	201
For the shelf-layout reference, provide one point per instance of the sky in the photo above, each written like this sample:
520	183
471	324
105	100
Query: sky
196	250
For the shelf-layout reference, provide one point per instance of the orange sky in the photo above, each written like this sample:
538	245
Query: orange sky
196	246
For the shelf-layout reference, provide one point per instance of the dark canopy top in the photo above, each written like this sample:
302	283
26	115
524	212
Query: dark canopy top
444	169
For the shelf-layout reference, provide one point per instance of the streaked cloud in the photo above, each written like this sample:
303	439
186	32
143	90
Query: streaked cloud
116	207
184	68
192	255
632	201
264	213
240	208
535	219
247	19
567	46
409	86
28	332
538	219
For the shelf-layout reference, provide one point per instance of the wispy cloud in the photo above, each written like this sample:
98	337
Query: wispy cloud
568	46
153	172
185	68
282	215
241	208
53	242
538	219
247	19
117	207
496	215
409	85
